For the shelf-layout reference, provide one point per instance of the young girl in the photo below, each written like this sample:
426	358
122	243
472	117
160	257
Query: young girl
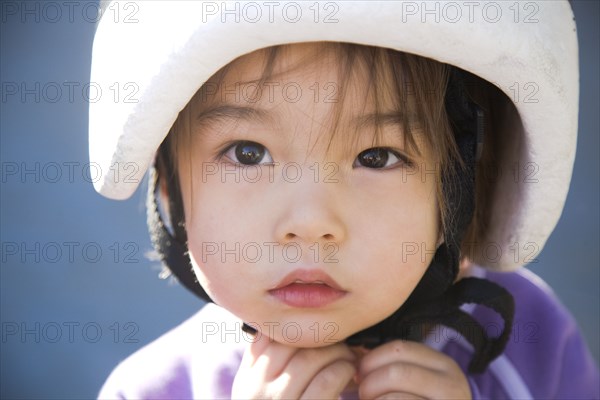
334	176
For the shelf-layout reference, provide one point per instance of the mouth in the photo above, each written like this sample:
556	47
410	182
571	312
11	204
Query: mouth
305	288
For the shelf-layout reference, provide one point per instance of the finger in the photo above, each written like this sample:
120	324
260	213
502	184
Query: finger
412	380
260	365
266	357
395	377
399	396
306	364
256	347
404	351
330	381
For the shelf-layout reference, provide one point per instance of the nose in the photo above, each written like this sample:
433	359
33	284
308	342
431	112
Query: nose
311	214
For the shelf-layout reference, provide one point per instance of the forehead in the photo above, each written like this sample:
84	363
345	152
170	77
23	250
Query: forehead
341	91
289	61
321	71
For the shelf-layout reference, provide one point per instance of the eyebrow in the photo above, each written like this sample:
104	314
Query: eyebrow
229	111
389	118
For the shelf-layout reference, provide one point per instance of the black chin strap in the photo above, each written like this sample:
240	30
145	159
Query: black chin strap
437	299
421	312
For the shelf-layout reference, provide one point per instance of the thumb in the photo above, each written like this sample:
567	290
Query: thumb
257	346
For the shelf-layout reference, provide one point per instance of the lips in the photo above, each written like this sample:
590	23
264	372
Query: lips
307	289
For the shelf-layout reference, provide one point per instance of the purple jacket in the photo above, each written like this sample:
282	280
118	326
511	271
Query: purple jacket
546	356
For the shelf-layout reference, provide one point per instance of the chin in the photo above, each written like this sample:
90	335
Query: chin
307	342
308	334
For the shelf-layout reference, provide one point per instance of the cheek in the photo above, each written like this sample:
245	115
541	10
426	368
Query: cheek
207	229
399	216
403	240
218	217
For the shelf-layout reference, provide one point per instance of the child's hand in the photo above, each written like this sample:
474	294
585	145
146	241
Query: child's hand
402	369
271	370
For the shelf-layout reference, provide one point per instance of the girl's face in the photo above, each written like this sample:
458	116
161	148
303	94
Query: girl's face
309	236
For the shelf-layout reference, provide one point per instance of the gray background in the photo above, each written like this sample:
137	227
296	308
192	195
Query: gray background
52	308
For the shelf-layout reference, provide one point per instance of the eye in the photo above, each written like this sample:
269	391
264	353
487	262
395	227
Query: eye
248	153
379	158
